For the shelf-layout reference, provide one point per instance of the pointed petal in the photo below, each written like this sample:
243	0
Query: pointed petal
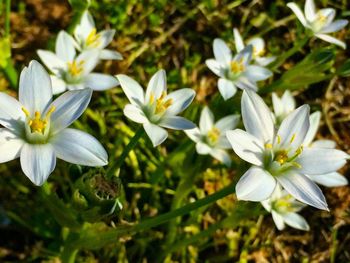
221	156
110	54
257	117
227	123
37	162
35	91
298	13
106	37
203	148
132	89
58	85
206	120
89	60
245	84
156	134
65	46
99	81
330	179
255	185
85	26
68	107
288	101
321	160
193	134
303	189
278	106
80	148
176	123
335	26
296	221
324	144
11	114
215	67
181	99
246	146
332	40
264	61
226	88
52	61
258	44
278	219
310	10
314	123
10	145
156	86
294	127
244	56
222	53
134	113
257	73
238	40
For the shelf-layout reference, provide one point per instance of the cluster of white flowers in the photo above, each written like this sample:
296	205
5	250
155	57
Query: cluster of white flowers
287	164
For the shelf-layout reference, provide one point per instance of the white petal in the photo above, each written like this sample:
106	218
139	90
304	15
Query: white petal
181	99
238	40
11	114
85	26
303	189
110	54
257	73
288	101
89	60
335	26
52	61
176	123
156	86
206	120
244	56
257	117
245	84
227	123
246	146
37	162
215	67
68	107
329	13
134	113
58	85
314	123
222	156
65	49
77	86
278	106
106	37
332	40
222	53
321	160
294	127
324	144
156	134
193	134
310	10
203	148
278	219
226	88
10	145
255	185
258	44
99	81
78	147
330	180
298	13
264	61
132	89
35	90
296	221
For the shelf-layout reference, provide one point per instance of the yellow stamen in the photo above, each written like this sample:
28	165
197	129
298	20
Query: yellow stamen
293	138
93	39
281	157
213	135
278	139
37	124
26	112
268	145
237	66
75	69
161	105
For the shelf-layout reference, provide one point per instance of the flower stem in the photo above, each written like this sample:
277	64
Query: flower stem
138	134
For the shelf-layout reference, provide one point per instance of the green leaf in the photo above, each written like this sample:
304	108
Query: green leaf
5	54
344	70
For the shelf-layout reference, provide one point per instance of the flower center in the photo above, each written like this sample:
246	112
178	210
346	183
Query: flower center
237	66
284	204
161	104
93	39
37	124
213	135
319	22
75	68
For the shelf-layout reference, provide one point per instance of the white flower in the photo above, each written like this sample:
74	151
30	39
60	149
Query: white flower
210	137
319	22
36	127
74	72
283	208
279	155
235	71
285	105
87	38
155	108
258	45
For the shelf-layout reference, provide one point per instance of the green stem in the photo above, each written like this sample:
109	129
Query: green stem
133	141
297	47
68	255
11	74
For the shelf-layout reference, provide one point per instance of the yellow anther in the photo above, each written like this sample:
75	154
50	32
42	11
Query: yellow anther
214	135
268	145
299	150
26	112
75	69
51	110
281	157
278	139
161	104
293	138
237	66
93	39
